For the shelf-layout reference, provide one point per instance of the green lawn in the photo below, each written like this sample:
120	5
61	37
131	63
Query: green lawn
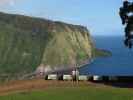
79	93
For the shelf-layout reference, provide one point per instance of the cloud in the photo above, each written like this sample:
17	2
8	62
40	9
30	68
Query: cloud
7	2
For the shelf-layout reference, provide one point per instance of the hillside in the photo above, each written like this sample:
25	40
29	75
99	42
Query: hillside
27	42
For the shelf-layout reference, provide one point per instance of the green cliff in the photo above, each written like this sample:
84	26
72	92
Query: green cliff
27	42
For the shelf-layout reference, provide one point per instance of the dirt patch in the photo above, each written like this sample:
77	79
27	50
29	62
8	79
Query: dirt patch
39	84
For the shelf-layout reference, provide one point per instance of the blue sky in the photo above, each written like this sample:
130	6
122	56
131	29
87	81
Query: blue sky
100	16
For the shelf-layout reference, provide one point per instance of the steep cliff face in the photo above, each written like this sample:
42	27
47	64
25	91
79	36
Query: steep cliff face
27	42
69	45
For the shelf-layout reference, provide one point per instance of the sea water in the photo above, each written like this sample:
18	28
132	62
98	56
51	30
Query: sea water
120	63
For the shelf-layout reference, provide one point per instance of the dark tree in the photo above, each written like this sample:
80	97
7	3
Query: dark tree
126	15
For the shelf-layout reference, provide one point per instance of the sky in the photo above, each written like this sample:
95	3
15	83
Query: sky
99	16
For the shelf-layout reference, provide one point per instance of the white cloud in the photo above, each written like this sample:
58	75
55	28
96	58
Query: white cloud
7	2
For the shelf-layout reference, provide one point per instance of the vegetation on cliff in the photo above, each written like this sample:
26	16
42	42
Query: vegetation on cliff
100	53
27	42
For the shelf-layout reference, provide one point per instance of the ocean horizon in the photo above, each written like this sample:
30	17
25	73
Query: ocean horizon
119	64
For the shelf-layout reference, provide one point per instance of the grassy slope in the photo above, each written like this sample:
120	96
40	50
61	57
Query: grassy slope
78	93
19	50
27	42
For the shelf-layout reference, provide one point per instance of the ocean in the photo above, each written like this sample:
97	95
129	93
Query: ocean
119	64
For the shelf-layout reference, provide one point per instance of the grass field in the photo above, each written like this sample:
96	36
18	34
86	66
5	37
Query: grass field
67	91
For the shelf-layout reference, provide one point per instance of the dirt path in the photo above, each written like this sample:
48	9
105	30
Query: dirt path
30	85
